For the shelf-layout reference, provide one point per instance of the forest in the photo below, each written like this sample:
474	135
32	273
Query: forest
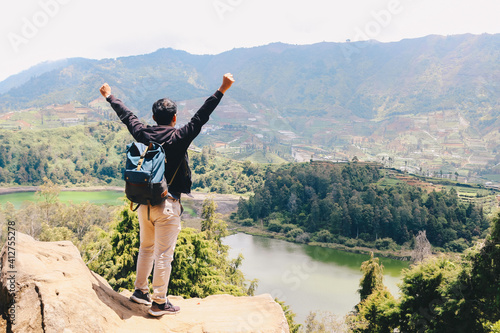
67	155
438	295
346	203
324	202
95	155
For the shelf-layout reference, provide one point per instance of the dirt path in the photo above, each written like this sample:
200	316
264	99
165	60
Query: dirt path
226	203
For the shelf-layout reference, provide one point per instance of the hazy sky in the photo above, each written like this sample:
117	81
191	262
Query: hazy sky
33	31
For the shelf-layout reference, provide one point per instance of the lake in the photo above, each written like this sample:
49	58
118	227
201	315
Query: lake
96	197
307	278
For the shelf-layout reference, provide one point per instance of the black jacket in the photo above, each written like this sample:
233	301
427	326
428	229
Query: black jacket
174	141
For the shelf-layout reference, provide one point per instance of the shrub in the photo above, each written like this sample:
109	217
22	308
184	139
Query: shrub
276	216
342	239
303	238
247	222
285	228
324	321
361	242
458	245
324	236
351	242
274	225
366	237
386	244
294	233
493	328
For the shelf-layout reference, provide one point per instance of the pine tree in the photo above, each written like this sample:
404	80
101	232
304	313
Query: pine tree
372	279
212	225
201	269
201	265
476	293
49	193
377	312
125	242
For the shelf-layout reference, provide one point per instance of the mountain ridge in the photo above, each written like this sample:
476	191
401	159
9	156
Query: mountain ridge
358	76
331	95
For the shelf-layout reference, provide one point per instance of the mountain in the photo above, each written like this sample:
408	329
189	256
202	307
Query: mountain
23	77
426	94
366	79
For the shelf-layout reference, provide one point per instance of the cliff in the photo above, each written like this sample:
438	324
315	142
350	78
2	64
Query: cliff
46	287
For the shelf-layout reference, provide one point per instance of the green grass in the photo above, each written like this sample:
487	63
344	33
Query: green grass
113	198
388	181
492	177
189	209
260	157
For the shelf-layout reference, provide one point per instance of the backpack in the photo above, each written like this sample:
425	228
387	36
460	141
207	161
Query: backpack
144	175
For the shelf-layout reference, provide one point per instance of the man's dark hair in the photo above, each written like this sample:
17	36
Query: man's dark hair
164	110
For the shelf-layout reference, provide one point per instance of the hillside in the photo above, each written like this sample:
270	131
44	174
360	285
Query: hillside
337	202
429	103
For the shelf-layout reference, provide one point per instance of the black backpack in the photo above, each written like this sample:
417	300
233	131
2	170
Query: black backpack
144	175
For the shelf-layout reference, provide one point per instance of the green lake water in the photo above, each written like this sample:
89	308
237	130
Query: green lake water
307	278
95	197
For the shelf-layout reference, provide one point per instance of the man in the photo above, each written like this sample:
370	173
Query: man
159	229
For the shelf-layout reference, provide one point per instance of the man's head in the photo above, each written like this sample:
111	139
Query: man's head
164	111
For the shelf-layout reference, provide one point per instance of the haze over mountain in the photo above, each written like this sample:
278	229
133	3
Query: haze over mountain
324	93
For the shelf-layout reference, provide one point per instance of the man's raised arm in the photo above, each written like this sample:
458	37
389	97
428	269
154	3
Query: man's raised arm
105	90
134	125
227	81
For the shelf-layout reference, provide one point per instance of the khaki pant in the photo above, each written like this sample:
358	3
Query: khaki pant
158	236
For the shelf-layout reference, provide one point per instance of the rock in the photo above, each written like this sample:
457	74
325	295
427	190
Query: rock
54	291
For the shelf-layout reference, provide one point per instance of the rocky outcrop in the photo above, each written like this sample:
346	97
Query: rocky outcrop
48	288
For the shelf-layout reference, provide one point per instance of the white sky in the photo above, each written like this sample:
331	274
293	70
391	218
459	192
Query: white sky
33	31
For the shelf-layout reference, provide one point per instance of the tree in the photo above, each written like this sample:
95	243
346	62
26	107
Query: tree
324	236
423	297
439	295
201	266
96	250
200	270
124	240
81	217
55	234
322	321
290	317
422	248
377	311
347	200
49	193
372	277
242	209
475	295
212	225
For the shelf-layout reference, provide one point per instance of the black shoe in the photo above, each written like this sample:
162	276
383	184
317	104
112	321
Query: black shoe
140	297
165	308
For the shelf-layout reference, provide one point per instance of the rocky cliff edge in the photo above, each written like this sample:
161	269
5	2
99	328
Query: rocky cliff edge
46	287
